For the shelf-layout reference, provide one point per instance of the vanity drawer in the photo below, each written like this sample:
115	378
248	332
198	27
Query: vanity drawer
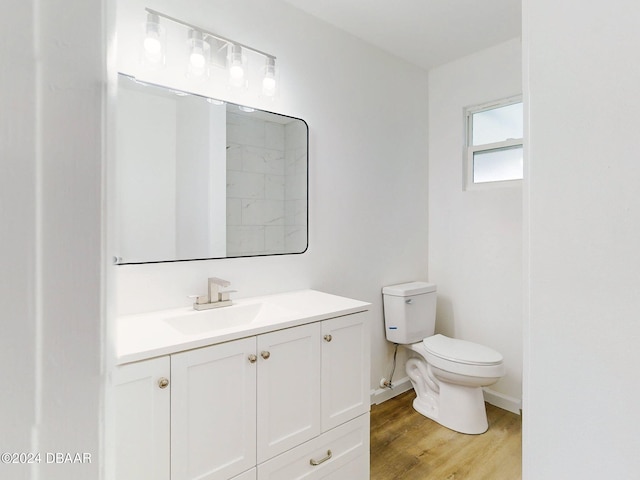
348	444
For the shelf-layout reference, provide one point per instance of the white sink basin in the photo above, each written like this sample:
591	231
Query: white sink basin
197	322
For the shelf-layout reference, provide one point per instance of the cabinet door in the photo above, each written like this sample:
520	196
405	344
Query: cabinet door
213	411
345	369
288	389
142	402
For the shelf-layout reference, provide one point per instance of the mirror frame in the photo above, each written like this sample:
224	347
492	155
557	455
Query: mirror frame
120	261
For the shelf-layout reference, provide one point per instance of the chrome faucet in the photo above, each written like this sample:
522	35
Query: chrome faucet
215	297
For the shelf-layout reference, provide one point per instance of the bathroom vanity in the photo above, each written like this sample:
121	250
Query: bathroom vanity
270	388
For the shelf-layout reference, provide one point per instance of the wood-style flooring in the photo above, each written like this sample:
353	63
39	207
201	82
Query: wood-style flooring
408	446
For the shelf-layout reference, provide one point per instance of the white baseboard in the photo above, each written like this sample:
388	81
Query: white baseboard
503	401
383	394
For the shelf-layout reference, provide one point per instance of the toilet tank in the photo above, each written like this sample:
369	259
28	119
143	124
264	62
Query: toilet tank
409	311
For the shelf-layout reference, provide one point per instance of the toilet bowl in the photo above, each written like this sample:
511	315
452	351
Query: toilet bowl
447	374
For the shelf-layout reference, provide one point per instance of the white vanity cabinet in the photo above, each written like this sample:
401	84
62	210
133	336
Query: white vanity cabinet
286	404
288	389
213	411
142	403
346	352
341	450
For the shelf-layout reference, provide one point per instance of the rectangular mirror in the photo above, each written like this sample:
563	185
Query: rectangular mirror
198	178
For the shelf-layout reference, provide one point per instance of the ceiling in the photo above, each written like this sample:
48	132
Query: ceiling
426	33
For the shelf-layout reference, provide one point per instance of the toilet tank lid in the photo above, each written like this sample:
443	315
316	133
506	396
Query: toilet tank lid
408	289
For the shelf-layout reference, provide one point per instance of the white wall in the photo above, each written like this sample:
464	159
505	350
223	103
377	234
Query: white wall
475	236
50	302
17	241
583	328
367	115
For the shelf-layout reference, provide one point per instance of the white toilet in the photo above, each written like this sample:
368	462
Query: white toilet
447	374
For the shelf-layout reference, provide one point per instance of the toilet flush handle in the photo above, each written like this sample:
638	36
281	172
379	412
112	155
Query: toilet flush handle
409	301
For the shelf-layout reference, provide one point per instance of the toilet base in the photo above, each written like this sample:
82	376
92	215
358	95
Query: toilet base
456	407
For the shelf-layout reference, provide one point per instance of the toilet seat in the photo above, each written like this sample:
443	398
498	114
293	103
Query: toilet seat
461	351
460	357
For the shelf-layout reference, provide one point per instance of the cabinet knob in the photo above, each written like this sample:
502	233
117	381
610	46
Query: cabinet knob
253	358
328	338
163	382
264	354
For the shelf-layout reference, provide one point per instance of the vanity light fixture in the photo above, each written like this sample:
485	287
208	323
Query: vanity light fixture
203	48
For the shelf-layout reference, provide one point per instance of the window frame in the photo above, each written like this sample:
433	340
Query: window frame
471	149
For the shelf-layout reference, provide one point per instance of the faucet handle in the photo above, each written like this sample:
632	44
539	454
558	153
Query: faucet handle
223	295
219	281
199	299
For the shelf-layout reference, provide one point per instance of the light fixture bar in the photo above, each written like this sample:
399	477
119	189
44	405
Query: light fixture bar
207	32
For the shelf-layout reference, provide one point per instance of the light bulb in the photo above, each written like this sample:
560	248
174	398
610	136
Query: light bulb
152	45
236	71
269	86
197	59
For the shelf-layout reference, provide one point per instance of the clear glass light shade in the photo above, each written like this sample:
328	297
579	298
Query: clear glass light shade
153	43
237	67
270	78
198	51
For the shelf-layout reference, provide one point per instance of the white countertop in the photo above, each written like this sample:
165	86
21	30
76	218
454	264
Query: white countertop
163	332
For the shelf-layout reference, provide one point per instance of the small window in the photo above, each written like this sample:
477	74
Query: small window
494	142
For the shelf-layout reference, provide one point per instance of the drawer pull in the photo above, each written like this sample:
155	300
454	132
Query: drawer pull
265	354
322	460
328	338
163	382
253	358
